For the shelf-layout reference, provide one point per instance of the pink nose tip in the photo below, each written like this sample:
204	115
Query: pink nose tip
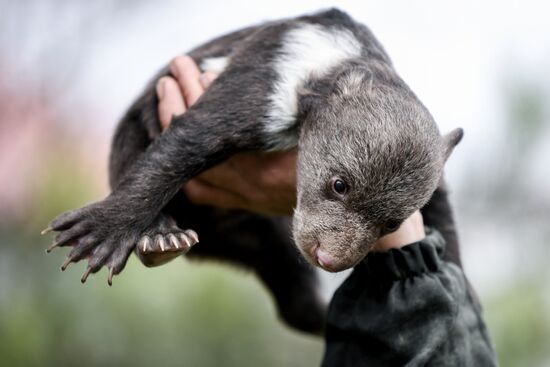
325	260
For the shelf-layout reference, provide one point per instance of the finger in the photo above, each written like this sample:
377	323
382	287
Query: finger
226	177
271	168
187	73
201	193
207	78
170	100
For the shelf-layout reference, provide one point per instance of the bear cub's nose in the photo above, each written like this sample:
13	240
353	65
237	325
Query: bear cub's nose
324	259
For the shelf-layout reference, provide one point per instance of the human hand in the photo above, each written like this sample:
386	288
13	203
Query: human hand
410	231
260	182
255	181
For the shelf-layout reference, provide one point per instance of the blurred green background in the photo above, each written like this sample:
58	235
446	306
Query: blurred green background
68	69
200	314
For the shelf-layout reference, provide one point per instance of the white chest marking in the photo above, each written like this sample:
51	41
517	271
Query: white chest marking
215	64
308	51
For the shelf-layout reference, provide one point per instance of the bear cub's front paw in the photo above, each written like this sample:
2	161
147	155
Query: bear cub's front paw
97	232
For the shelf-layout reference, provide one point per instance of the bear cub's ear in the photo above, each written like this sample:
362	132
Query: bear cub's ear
358	79
450	140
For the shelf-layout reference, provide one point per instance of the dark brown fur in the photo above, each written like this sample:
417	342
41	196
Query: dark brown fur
359	121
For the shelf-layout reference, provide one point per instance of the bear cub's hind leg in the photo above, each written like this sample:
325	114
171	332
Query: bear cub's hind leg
164	241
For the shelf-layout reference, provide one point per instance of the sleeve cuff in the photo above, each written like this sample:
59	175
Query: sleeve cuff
406	262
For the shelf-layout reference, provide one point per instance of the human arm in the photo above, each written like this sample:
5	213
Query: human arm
403	304
407	306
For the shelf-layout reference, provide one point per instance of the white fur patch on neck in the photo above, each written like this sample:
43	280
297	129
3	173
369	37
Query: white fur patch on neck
215	64
310	50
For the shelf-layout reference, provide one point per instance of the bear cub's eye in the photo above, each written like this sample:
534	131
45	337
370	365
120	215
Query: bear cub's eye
339	186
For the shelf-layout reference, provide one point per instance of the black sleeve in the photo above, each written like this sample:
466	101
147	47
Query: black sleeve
407	307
